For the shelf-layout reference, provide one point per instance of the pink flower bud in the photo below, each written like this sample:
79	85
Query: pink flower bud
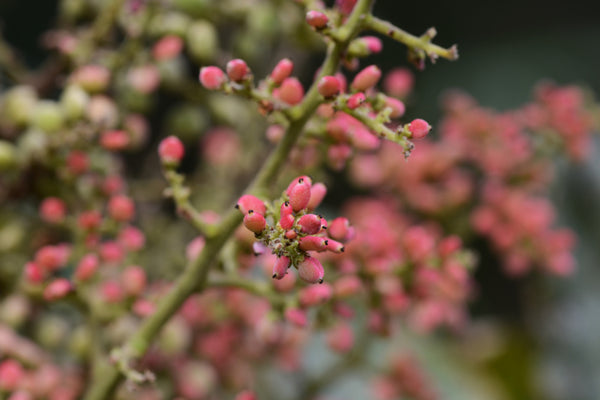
121	208
317	194
133	280
314	295
280	267
52	258
310	270
212	78
131	238
329	86
11	375
340	338
246	395
397	106
111	252
255	222
282	70
115	140
300	194
356	100
313	243
345	6
285	209
111	292
53	210
449	245
143	308
87	267
167	48
194	248
57	289
296	316
373	44
34	273
237	70
275	133
78	162
335	246
310	224
287	221
291	91
347	285
337	155
419	128
171	150
291	234
399	82
366	79
89	220
248	202
317	19
339	229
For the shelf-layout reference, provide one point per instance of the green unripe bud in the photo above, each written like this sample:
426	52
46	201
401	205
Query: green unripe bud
32	145
173	23
202	41
18	104
8	155
74	101
47	116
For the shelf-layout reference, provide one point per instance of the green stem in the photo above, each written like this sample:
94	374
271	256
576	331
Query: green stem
194	278
422	43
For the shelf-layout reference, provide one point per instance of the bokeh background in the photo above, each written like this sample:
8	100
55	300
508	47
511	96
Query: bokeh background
535	338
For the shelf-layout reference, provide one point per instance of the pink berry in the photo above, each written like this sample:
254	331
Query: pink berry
53	210
171	150
339	229
11	375
212	78
287	221
291	91
89	220
131	238
329	86
34	273
367	78
237	70
249	202
311	270
341	338
255	222
121	208
317	19
280	267
419	128
356	100
282	70
345	6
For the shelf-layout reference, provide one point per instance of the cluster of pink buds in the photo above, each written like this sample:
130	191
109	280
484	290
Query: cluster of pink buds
293	232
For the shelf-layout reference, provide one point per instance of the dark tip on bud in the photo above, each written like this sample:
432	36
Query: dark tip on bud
323	227
287	203
326	242
320	281
250	211
342	249
274	276
237	206
300	180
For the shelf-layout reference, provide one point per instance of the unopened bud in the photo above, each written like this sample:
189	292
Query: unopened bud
419	128
255	222
237	70
367	78
249	202
310	270
317	19
280	267
212	78
282	70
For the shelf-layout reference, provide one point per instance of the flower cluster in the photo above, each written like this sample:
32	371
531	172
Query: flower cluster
293	232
